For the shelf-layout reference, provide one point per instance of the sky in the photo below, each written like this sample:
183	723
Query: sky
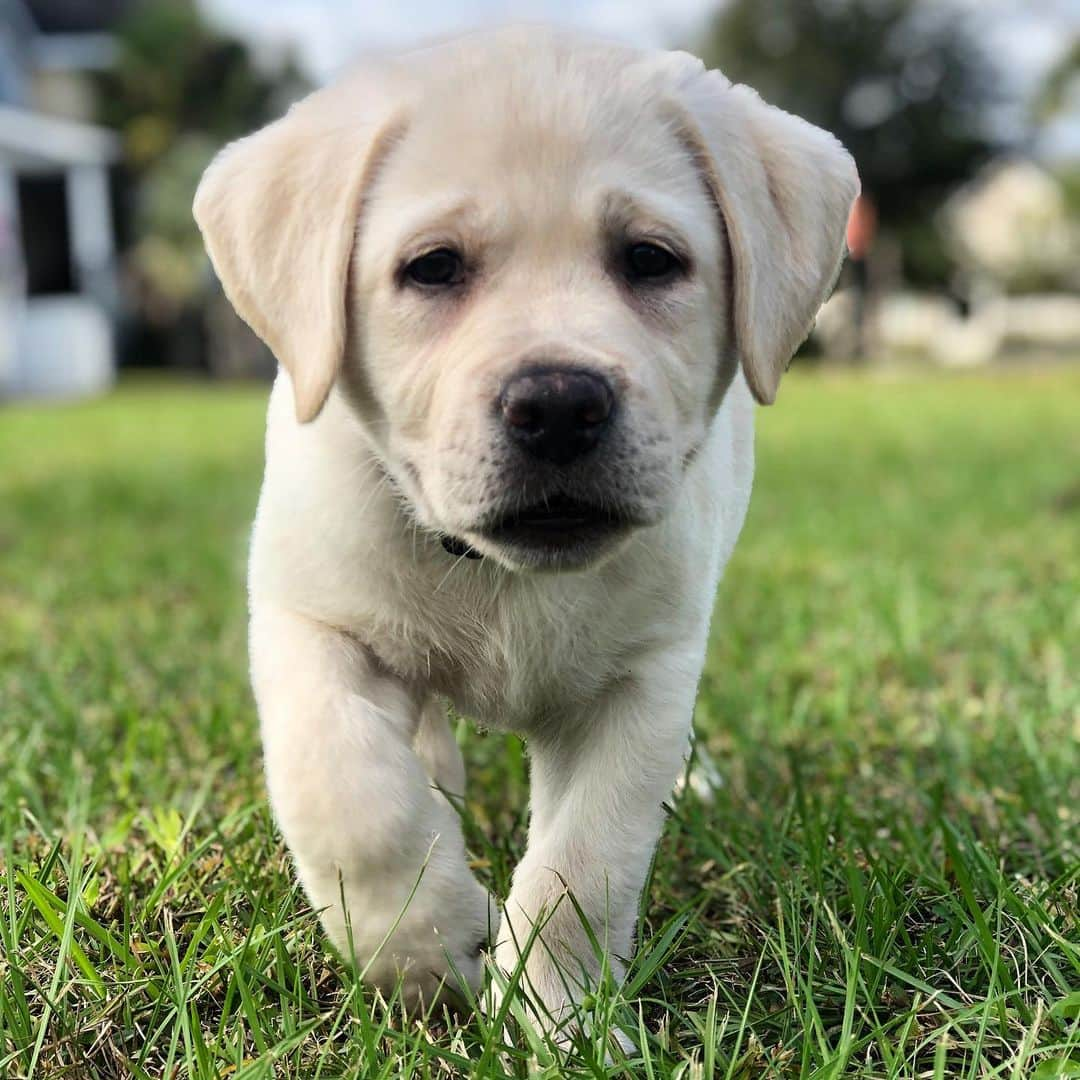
329	31
1027	35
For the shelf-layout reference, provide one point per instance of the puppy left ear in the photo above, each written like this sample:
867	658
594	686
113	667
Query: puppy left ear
784	189
278	211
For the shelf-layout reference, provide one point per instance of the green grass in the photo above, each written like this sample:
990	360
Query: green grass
886	885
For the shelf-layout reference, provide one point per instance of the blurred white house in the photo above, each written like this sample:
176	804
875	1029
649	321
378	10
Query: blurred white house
1017	249
58	290
1011	228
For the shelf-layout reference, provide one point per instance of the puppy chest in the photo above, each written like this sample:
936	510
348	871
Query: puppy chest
518	671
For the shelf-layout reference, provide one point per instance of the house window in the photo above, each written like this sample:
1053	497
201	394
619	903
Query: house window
43	219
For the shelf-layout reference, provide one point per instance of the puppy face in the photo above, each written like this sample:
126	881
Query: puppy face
531	263
539	296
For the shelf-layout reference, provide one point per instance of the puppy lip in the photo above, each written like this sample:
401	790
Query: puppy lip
557	521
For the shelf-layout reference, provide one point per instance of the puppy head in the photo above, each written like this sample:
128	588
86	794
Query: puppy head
531	264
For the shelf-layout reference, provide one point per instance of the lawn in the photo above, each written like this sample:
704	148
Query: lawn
885	884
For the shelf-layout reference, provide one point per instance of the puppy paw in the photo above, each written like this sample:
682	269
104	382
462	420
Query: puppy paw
428	949
563	1019
556	984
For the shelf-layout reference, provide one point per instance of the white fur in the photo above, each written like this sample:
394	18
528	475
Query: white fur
513	145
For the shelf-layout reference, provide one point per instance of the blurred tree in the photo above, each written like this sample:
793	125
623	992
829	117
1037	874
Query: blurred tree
1059	97
902	83
1060	84
179	90
176	75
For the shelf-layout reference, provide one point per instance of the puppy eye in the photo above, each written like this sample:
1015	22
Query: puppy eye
443	266
650	262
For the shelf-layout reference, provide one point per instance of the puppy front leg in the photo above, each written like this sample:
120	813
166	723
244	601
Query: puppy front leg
358	811
598	783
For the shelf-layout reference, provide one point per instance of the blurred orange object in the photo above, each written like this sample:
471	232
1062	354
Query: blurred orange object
861	227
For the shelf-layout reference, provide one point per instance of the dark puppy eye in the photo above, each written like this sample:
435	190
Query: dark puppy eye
443	266
650	262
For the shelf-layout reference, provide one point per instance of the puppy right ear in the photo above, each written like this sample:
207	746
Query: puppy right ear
784	189
278	212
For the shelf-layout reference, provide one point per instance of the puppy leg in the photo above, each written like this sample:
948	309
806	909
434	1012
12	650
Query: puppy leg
438	750
356	808
598	783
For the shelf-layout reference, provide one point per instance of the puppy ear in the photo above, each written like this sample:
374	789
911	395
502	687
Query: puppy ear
278	211
784	189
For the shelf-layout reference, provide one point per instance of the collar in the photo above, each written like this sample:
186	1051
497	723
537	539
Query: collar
459	548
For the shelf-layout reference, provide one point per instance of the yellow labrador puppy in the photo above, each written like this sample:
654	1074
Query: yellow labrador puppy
524	288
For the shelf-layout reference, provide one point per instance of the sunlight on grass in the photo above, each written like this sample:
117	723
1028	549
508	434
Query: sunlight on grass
885	884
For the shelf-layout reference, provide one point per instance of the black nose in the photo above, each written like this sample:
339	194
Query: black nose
557	414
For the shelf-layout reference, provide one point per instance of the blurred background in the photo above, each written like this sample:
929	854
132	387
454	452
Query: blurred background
886	880
963	116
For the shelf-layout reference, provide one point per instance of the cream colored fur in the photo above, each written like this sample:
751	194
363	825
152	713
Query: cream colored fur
527	148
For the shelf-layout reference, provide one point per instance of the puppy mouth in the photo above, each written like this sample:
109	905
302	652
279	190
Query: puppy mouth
559	521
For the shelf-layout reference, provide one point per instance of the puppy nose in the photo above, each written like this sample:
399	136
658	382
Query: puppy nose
557	414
